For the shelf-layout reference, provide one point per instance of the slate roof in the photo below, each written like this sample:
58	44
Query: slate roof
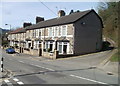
60	20
15	31
22	31
19	30
68	19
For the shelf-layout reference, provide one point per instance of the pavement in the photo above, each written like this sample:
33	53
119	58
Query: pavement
108	66
5	75
40	58
111	68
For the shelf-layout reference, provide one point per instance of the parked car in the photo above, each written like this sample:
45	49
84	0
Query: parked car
10	50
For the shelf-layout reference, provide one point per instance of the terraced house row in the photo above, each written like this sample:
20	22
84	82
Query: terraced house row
73	34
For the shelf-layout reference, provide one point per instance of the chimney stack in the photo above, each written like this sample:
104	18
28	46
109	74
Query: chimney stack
26	24
61	13
39	19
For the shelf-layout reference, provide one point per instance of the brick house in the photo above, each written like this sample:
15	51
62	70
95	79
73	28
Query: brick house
74	34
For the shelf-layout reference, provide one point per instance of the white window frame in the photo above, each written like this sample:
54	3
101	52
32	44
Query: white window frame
46	45
56	31
65	27
50	33
49	42
62	43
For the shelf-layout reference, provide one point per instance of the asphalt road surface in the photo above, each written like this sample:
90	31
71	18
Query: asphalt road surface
78	70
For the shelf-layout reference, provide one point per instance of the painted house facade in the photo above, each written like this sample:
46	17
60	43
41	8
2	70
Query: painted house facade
74	34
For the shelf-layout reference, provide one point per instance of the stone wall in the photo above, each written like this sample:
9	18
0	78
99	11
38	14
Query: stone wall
70	29
50	55
32	52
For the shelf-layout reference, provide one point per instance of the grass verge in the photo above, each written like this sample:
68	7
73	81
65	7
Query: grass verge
115	57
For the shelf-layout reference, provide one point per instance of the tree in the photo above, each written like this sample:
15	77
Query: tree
109	14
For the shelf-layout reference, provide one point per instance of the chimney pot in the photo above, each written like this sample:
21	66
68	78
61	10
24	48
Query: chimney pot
25	24
61	13
39	19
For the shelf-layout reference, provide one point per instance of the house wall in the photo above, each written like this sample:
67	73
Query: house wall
45	34
88	37
9	37
68	36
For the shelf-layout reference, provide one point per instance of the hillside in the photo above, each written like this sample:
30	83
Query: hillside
4	31
108	11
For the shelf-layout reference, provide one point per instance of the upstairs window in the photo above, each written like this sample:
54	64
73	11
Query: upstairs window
37	32
50	32
64	31
34	33
56	31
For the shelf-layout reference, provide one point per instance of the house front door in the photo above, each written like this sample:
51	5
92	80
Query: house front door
51	45
64	49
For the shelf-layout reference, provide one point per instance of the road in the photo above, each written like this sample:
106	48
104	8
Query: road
77	70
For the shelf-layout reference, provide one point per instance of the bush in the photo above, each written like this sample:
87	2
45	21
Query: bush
16	46
4	43
115	57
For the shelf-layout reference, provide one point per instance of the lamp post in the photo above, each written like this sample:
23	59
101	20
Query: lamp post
10	30
9	25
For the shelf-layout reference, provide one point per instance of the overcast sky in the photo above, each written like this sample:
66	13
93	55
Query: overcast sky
15	13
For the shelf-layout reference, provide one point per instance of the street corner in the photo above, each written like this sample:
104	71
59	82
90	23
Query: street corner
106	61
2	75
81	56
5	74
110	68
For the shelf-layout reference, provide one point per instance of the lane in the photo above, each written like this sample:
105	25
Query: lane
37	72
31	74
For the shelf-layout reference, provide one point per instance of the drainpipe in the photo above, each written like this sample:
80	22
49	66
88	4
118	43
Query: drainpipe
44	42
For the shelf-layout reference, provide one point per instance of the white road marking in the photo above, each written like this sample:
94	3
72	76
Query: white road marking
37	66
7	81
20	83
1	62
15	79
1	69
50	69
43	67
21	61
88	79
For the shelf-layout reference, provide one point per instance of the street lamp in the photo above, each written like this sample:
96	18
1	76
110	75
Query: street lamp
9	25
